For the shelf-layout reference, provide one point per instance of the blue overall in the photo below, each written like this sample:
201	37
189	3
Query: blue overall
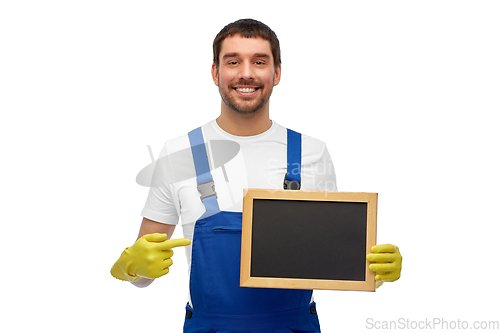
219	304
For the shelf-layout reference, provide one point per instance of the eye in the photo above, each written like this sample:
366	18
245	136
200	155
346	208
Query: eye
259	62
233	63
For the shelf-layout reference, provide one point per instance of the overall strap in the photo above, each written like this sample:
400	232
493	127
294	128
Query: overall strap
204	179
294	161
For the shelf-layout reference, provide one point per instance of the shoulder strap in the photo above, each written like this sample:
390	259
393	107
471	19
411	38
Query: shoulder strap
294	161
204	179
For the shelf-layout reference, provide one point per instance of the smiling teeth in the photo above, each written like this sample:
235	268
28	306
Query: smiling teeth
246	90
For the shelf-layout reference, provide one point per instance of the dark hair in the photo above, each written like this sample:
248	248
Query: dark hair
248	28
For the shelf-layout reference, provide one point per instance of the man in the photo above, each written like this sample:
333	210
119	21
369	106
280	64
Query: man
247	65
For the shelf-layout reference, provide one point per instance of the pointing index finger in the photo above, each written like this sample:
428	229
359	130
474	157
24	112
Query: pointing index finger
171	243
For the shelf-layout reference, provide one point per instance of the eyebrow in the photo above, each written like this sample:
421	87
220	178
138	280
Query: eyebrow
261	55
235	54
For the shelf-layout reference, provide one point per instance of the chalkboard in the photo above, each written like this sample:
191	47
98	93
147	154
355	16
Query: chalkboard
308	239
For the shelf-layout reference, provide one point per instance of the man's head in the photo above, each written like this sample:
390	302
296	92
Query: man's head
245	67
247	28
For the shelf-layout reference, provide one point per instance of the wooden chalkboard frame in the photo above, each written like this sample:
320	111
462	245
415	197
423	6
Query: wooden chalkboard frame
246	280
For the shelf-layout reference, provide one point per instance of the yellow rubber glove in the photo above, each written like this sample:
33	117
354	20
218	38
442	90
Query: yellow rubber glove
149	257
387	263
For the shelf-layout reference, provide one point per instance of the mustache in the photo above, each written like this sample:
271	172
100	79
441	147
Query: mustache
246	83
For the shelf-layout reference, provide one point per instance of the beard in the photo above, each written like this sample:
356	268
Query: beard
244	105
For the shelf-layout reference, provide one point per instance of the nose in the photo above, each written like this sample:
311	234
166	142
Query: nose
246	71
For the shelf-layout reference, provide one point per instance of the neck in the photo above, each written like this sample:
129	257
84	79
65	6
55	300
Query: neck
244	125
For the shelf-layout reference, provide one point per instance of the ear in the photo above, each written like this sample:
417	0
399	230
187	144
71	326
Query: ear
277	75
215	74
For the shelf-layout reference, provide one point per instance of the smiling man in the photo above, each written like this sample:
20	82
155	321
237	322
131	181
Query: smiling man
246	68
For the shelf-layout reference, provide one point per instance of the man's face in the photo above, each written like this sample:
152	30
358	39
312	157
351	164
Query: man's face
246	74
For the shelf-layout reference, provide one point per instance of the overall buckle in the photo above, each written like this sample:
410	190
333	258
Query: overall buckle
290	184
207	190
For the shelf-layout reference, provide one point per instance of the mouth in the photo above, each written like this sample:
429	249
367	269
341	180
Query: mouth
246	91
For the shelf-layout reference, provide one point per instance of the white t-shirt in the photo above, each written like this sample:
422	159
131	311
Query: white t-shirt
260	162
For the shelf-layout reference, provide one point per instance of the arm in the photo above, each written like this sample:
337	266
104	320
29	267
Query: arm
149	257
150	227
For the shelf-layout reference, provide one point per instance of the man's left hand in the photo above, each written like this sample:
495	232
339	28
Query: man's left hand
387	263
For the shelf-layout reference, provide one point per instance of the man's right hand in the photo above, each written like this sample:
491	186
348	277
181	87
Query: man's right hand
149	257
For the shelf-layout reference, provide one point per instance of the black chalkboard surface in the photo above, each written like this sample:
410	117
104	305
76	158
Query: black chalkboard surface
307	239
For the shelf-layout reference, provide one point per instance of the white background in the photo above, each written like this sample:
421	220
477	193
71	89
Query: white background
405	93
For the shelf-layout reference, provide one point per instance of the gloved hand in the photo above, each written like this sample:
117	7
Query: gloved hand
149	257
387	263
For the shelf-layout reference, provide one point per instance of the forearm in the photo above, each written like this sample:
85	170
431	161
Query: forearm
142	283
